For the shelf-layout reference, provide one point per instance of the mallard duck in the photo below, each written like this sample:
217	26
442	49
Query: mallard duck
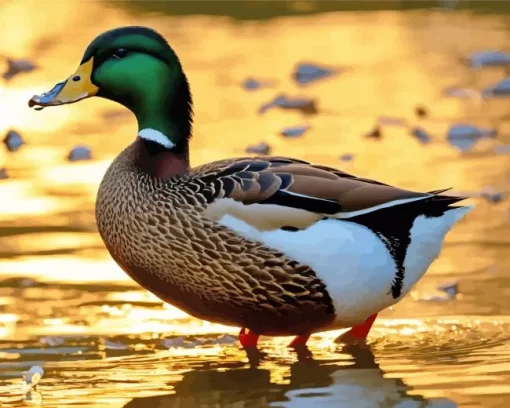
275	245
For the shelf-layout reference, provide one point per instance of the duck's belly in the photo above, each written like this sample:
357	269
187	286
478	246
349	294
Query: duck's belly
336	283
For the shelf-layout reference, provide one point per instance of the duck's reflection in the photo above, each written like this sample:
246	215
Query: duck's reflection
313	383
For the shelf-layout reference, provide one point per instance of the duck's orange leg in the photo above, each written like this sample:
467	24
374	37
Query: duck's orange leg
247	338
299	340
359	332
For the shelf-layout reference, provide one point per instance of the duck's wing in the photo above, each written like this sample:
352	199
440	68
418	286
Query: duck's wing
274	192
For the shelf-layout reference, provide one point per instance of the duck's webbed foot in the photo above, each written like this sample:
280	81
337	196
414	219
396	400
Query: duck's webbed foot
357	333
248	338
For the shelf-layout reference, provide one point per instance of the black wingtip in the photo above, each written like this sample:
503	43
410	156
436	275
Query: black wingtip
437	205
448	200
444	200
436	192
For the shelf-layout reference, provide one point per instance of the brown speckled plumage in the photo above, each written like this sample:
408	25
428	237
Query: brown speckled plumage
160	233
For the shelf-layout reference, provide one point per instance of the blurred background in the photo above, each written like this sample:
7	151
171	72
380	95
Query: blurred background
412	93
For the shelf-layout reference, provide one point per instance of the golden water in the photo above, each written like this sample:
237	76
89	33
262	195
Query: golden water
103	341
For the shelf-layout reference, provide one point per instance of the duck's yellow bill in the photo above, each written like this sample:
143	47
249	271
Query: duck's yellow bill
75	88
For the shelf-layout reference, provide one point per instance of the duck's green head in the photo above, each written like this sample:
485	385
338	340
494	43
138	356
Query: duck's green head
135	67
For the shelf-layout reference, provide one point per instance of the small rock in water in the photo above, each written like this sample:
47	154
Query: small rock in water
391	121
450	288
421	134
346	157
252	84
305	105
499	90
33	376
492	196
489	58
79	153
15	67
3	174
261	148
13	140
306	73
464	136
421	111
294	131
374	133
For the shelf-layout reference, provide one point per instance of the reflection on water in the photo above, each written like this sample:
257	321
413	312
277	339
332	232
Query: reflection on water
355	380
102	341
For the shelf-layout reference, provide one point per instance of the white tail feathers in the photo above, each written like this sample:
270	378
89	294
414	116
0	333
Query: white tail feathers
459	212
433	228
427	237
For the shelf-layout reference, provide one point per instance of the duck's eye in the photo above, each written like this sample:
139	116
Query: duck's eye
120	53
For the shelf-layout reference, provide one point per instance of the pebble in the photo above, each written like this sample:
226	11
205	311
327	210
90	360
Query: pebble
294	131
489	58
492	196
252	84
306	73
13	141
450	288
79	153
15	67
33	376
346	157
261	148
305	105
464	136
499	90
421	134
3	174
